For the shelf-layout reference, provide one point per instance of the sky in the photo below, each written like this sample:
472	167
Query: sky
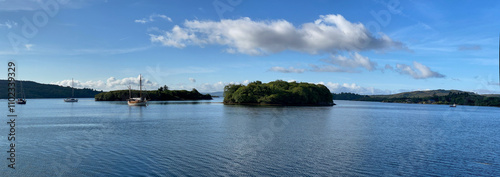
365	47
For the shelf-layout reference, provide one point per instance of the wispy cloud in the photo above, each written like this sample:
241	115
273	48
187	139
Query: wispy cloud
111	83
328	34
28	46
331	68
108	51
355	60
353	88
469	47
31	5
152	18
286	70
417	71
8	24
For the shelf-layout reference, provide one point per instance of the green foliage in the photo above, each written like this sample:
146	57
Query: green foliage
37	90
278	92
347	96
162	94
427	97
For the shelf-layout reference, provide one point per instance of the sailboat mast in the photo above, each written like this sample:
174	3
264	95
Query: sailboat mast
72	89
140	85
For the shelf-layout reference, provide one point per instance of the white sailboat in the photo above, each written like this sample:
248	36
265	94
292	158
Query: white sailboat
140	101
21	100
72	94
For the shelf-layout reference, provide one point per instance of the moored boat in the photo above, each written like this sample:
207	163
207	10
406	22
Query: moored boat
140	101
72	94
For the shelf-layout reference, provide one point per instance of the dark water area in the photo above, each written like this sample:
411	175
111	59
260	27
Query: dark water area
207	138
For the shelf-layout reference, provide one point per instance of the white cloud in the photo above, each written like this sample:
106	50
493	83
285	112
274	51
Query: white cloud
192	80
152	18
111	83
330	68
329	34
418	71
9	24
28	46
354	60
286	70
353	88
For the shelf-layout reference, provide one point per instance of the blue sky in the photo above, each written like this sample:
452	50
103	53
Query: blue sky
367	47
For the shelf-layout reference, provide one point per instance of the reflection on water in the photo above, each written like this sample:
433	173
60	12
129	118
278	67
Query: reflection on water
206	138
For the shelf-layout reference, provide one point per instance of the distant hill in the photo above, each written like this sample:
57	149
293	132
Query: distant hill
421	94
216	94
38	90
427	97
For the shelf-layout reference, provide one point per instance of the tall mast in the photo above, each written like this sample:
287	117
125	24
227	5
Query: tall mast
140	85
72	89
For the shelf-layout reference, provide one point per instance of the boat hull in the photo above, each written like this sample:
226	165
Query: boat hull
71	100
133	103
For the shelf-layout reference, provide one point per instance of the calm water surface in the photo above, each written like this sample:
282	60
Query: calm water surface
206	138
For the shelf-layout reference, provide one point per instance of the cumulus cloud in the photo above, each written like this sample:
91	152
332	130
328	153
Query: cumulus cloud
418	71
192	80
355	60
286	70
152	18
328	34
469	47
111	83
353	88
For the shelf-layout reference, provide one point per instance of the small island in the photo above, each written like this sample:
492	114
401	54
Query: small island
278	93
162	94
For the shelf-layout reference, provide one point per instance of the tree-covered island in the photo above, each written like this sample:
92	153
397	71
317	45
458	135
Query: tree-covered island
278	93
162	94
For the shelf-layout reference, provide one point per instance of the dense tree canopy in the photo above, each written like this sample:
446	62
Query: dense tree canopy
278	92
162	94
453	97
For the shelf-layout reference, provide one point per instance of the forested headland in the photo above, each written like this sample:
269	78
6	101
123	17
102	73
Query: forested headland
278	93
427	97
162	94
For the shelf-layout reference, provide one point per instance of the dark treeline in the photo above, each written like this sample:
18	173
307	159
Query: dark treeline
347	96
37	90
162	94
278	93
459	98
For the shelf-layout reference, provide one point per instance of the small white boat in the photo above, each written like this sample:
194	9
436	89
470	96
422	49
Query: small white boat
140	101
454	105
72	94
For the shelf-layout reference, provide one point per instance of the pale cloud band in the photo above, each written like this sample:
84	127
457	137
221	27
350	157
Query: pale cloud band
417	71
152	18
328	34
111	83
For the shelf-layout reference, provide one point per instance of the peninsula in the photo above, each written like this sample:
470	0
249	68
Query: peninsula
162	94
427	97
278	93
